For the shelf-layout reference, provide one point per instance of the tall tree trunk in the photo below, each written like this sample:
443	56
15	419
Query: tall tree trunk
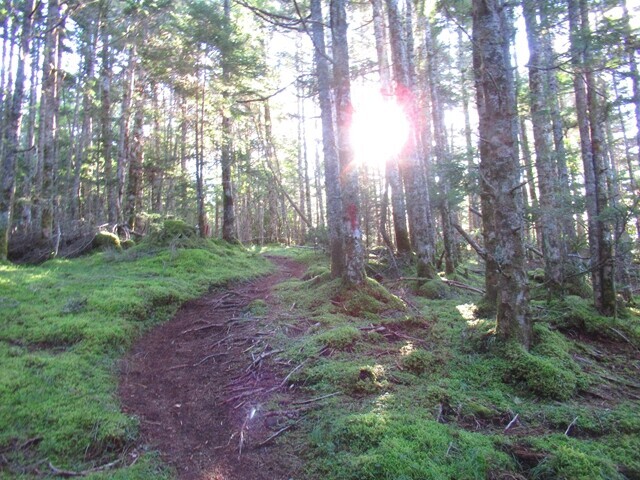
11	134
49	117
83	144
329	144
30	157
500	170
441	150
416	188
392	170
123	135
136	156
554	246
226	154
106	134
591	138
352	233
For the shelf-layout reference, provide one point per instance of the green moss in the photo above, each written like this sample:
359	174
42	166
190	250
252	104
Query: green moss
433	289
383	445
418	361
339	337
350	377
570	463
368	299
258	308
127	244
63	326
542	376
105	241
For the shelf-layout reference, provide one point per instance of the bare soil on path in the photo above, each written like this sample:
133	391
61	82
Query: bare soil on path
198	384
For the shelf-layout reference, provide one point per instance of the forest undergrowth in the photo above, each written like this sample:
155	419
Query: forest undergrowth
412	385
386	382
65	324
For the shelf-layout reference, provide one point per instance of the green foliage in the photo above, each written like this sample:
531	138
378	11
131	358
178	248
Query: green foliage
63	326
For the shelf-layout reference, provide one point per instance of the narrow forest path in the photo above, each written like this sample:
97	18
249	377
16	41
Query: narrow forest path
198	383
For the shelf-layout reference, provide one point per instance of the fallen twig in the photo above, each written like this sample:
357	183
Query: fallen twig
262	357
571	425
463	286
282	430
206	327
208	357
305	402
623	337
82	473
512	422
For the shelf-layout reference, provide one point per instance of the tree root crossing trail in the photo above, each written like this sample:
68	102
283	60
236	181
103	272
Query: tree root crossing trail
199	384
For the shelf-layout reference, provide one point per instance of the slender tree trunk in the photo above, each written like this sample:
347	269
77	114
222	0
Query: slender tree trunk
123	136
392	170
106	132
352	233
554	247
11	134
49	118
30	157
416	188
441	150
136	156
329	143
500	169
591	141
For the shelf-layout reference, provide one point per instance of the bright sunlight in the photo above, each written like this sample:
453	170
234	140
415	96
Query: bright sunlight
379	128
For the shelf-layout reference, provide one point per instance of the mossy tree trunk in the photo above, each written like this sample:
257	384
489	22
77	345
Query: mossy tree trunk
503	215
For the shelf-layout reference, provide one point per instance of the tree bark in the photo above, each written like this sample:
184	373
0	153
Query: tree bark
49	117
416	188
554	246
353	273
136	156
11	134
500	170
392	170
329	142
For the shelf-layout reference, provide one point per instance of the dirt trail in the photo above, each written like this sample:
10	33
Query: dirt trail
195	381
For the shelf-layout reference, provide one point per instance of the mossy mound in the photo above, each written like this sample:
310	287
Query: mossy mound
106	241
573	313
175	233
371	298
418	361
542	376
127	244
434	289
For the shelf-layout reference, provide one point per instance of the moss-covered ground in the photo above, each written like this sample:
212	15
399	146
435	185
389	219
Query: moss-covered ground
420	389
383	383
63	327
